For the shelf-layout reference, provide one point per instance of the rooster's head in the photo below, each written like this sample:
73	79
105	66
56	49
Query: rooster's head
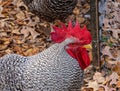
77	49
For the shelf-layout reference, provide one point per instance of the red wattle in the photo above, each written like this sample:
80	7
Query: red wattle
80	54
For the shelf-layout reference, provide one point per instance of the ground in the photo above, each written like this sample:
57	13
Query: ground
24	33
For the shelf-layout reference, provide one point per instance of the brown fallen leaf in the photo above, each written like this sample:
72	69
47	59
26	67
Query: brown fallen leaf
80	19
6	3
98	77
86	8
31	51
3	34
1	9
18	49
24	31
20	22
116	33
116	68
87	89
5	39
16	31
20	15
106	51
33	33
93	84
3	47
106	23
113	78
7	42
8	51
25	46
76	11
118	84
101	88
19	42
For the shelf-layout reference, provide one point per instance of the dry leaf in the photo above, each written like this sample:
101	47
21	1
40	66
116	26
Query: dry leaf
25	46
98	77
118	84
24	31
33	32
76	11
116	68
116	33
8	51
86	8
1	9
112	89
19	42
28	52
93	84
113	78
3	47
106	51
3	34
87	89
80	19
20	15
16	31
103	88
106	23
31	51
6	43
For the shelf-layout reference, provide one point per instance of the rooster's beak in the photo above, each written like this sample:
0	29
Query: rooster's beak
89	49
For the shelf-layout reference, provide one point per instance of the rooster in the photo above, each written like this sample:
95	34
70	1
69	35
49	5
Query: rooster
58	68
49	10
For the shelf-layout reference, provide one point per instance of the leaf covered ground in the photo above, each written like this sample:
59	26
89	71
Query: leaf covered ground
24	33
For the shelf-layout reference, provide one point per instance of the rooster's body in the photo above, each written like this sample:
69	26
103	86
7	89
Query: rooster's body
50	70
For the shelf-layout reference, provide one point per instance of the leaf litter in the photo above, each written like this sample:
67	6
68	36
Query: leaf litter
24	33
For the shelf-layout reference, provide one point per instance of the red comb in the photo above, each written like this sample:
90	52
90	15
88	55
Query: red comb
82	34
63	32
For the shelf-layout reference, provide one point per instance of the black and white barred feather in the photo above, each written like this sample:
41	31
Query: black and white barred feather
50	10
50	70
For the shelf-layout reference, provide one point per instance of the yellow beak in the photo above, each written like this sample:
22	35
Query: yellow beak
89	46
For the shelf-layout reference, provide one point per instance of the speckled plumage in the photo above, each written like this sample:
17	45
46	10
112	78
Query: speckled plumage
50	10
51	70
